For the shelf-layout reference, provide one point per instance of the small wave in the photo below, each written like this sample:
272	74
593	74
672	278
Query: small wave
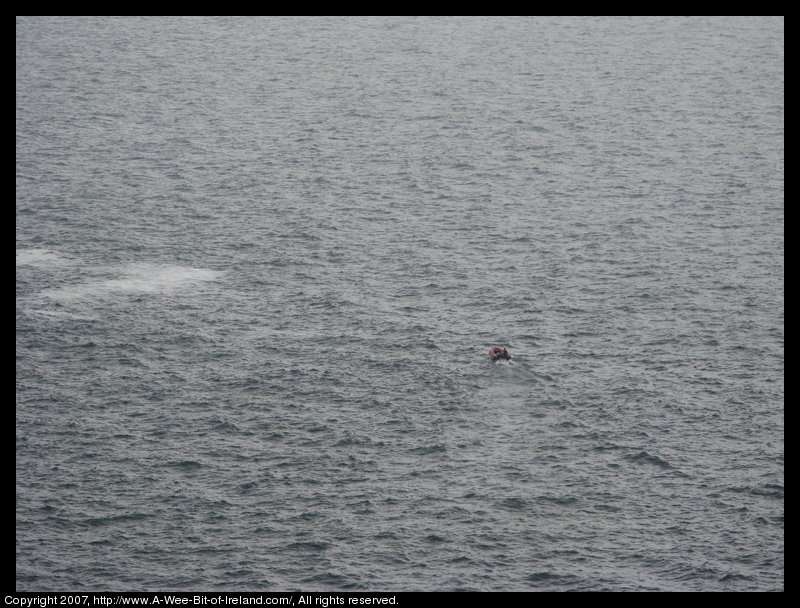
645	458
330	580
770	490
538	577
513	503
559	500
115	519
185	465
733	576
767	490
309	546
428	449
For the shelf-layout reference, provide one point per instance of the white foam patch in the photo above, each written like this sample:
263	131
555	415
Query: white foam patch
153	278
140	278
42	258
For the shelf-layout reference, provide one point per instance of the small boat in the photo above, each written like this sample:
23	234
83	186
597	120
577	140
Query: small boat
496	353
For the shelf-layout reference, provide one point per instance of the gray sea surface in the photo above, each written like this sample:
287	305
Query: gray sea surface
260	262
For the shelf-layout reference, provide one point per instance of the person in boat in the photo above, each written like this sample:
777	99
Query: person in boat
496	353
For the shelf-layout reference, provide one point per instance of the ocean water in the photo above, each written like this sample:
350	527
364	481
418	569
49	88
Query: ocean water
260	261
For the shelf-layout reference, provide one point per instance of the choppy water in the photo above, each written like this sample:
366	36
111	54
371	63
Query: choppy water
259	264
